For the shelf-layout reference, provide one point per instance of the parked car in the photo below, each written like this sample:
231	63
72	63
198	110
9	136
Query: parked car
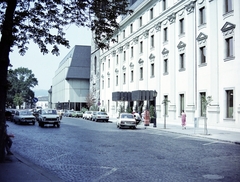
87	114
91	115
48	116
100	116
77	114
24	116
126	120
68	113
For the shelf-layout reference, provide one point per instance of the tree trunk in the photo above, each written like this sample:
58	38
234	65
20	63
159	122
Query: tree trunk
5	45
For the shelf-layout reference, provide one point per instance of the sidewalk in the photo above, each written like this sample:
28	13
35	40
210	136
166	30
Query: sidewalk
220	135
17	169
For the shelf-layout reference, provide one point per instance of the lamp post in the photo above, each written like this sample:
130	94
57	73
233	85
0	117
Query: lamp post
155	112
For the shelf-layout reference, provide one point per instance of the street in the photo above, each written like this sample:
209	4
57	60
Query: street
82	150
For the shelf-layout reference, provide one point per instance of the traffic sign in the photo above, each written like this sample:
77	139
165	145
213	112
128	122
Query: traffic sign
35	100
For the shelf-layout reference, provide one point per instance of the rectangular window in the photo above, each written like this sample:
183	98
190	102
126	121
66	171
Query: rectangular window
117	59
166	105
117	80
95	65
108	63
202	104
152	41
124	34
117	38
181	26
152	70
140	21
202	55
124	55
164	5
131	75
141	47
202	15
124	78
182	105
181	57
131	28
131	51
229	47
103	84
108	82
229	94
228	6
165	66
103	66
151	13
165	34
141	73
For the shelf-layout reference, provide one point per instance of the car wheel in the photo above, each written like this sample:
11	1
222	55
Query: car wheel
96	120
33	123
58	125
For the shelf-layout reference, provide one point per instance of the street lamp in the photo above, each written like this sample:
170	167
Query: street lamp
155	113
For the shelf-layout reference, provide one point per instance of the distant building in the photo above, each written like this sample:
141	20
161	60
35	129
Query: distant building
71	81
42	102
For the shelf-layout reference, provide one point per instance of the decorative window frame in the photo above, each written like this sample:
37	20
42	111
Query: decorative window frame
228	32
202	42
181	49
165	53
152	61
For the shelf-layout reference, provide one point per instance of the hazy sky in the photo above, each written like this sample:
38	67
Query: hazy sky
44	66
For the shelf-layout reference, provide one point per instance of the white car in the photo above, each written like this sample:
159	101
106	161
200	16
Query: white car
48	116
126	120
87	114
100	116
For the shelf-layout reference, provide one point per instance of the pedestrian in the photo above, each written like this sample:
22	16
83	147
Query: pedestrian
146	118
8	141
183	119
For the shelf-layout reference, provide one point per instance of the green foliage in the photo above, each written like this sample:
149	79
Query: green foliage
121	109
129	109
94	108
30	16
22	80
84	109
18	100
152	111
103	110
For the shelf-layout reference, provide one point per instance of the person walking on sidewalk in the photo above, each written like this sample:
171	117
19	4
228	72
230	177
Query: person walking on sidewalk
183	119
146	118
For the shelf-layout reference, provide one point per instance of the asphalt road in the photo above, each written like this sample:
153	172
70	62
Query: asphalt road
83	150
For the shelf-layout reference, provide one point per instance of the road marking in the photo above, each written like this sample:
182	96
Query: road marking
106	174
214	142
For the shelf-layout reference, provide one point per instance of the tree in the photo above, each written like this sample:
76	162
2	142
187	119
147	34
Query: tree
90	100
21	80
42	22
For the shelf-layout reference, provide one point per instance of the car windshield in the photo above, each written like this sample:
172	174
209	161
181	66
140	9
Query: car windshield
25	113
126	116
49	112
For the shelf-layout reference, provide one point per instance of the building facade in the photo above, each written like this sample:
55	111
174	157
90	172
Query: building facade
70	86
184	50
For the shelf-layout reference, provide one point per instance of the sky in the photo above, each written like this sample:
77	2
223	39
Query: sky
44	66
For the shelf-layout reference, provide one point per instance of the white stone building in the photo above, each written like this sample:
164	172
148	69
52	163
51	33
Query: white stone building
186	50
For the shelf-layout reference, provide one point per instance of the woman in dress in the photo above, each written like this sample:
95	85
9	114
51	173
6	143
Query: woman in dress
183	120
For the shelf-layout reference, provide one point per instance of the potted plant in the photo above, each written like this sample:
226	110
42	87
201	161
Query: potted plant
152	114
